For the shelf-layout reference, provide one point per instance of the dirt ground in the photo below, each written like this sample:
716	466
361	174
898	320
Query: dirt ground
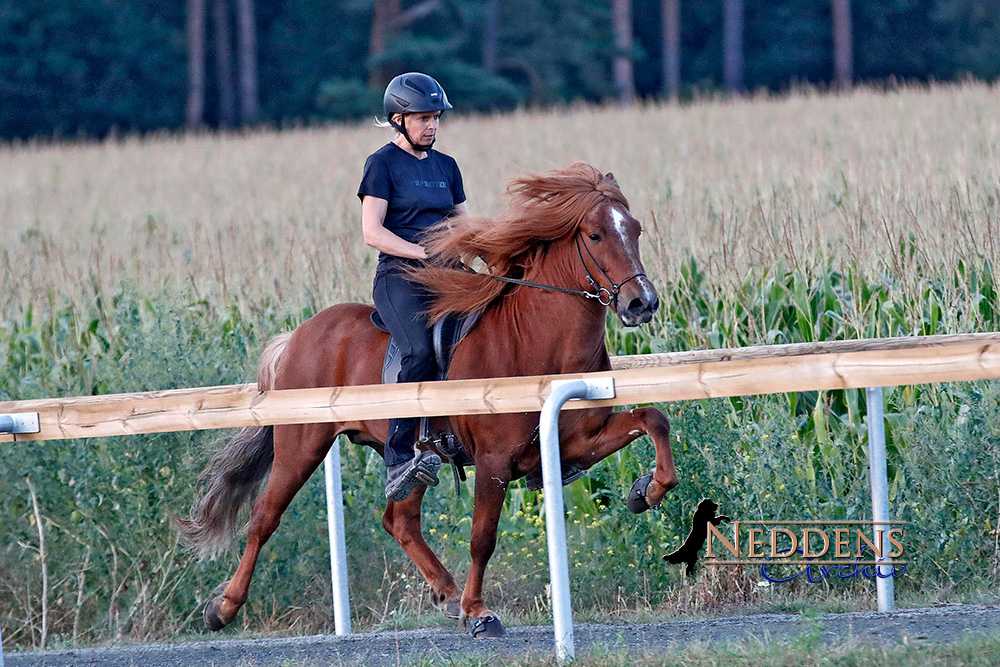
933	625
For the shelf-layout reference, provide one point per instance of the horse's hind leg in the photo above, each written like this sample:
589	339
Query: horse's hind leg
298	450
402	521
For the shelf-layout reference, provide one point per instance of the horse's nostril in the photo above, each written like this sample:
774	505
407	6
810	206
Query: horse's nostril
636	306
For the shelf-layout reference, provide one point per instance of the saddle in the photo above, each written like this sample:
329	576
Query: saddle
446	334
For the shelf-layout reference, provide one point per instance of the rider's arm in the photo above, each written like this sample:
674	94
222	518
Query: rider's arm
462	209
377	236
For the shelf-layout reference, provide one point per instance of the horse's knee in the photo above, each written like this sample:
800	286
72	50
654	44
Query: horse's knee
656	422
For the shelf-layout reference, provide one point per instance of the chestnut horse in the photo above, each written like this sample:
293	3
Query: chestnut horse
570	230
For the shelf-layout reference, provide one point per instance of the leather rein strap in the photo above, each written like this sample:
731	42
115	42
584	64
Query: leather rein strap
604	296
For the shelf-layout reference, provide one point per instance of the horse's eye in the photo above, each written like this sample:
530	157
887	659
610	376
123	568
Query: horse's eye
595	237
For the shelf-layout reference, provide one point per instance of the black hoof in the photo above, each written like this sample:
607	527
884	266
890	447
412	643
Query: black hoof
636	501
211	616
487	627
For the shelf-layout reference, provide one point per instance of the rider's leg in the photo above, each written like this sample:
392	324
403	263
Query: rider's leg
402	306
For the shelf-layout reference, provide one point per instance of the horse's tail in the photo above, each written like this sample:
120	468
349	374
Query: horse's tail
267	369
234	476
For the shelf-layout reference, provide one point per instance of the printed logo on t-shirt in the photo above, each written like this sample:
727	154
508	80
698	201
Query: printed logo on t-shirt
430	184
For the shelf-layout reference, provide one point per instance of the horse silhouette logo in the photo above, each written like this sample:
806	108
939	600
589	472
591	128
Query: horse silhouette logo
688	553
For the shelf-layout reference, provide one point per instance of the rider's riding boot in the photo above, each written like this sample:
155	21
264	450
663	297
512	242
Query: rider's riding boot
403	477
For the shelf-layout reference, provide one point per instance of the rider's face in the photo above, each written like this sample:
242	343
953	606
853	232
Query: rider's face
422	127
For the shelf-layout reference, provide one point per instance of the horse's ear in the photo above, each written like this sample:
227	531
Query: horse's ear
610	178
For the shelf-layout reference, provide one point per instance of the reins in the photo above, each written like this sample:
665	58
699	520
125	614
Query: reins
599	293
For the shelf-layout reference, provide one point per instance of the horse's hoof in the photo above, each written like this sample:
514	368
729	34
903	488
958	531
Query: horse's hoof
211	616
487	627
452	608
636	501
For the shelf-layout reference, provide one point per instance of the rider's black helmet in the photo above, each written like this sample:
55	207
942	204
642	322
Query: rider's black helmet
414	92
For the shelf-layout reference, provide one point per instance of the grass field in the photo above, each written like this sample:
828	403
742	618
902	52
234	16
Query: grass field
167	261
271	217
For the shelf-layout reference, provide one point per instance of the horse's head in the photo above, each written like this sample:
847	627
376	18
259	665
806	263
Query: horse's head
578	214
608	246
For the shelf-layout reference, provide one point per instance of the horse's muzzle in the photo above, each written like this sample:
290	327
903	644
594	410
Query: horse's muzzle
638	307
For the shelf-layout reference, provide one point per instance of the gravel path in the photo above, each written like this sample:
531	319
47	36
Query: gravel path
939	624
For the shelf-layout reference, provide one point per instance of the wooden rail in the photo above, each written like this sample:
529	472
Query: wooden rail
638	379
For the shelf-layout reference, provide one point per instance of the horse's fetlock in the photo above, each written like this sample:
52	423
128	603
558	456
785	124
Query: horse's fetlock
470	605
234	601
670	482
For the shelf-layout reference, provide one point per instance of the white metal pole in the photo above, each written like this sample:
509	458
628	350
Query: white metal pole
555	513
880	496
338	541
6	426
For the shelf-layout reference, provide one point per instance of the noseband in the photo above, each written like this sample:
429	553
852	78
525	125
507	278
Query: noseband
604	295
612	294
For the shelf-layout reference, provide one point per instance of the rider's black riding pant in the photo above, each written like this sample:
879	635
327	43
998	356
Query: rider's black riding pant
403	304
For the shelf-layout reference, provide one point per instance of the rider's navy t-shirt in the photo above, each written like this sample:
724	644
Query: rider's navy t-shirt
420	193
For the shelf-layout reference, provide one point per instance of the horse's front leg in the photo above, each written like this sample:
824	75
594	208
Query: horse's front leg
620	429
492	480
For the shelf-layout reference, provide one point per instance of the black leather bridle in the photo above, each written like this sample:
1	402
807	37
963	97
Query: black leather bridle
604	295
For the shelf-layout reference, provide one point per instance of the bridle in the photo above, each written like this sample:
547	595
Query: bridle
604	296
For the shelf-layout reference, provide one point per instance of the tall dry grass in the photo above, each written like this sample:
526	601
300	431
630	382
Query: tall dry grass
272	216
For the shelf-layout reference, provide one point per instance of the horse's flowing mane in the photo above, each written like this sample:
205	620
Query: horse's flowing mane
541	208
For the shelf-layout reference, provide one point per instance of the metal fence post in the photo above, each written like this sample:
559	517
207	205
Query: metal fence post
555	512
7	425
338	541
880	496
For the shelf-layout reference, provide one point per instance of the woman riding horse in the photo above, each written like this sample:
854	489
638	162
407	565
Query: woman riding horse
568	240
407	188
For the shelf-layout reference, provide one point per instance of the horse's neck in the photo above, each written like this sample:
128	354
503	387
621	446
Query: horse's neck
551	332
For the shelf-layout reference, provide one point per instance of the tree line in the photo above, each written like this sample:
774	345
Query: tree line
89	67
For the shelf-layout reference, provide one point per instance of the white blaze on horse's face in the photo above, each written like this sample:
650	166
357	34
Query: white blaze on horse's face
619	219
613	241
